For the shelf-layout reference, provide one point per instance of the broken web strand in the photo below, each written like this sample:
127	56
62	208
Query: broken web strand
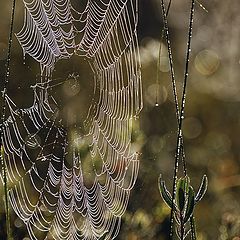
179	149
4	93
202	6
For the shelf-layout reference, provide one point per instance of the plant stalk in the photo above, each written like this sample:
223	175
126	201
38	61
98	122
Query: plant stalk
4	93
182	227
193	228
181	116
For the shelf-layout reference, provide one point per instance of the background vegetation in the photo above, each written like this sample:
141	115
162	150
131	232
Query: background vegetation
211	126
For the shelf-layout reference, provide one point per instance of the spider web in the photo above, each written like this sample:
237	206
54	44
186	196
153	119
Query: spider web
47	184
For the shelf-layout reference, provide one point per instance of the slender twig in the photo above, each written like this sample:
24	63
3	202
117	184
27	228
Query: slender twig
180	116
166	30
7	73
7	212
182	227
4	92
159	57
193	228
177	111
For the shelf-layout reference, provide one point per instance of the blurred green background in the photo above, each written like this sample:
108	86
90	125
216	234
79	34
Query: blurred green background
211	126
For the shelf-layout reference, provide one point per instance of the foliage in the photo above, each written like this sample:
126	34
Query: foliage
183	204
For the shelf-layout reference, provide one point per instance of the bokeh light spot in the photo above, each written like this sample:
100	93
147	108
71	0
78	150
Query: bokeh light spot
192	127
151	92
207	62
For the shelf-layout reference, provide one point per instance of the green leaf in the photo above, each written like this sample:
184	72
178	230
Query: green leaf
166	196
187	233
2	152
181	199
177	217
202	190
178	232
182	189
190	204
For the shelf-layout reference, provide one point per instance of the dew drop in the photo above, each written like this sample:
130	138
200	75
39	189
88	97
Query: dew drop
24	58
32	141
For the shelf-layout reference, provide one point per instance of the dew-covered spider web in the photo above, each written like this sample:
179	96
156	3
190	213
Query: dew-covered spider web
72	179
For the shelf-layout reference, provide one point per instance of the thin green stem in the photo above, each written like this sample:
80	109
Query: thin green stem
182	227
193	228
177	111
4	92
180	116
166	30
7	212
186	74
7	73
159	58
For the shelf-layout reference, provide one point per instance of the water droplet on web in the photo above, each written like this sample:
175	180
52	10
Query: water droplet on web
24	58
9	119
33	141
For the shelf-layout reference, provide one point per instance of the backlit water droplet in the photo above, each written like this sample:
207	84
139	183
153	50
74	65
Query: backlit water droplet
33	141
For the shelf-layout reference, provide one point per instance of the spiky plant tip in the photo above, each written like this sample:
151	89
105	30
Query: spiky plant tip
184	203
